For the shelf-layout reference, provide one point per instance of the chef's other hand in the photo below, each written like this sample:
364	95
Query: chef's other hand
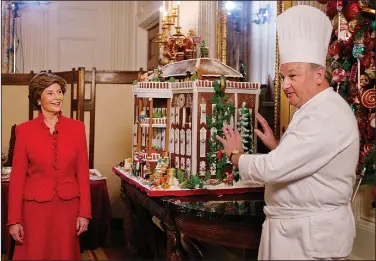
267	137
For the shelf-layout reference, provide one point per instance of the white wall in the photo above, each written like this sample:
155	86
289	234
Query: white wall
68	34
189	16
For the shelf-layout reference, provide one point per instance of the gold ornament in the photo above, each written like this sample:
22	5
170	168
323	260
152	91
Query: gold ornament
344	23
352	25
364	80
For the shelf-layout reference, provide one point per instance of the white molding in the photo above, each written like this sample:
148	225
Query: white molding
150	21
230	90
148	93
195	104
255	122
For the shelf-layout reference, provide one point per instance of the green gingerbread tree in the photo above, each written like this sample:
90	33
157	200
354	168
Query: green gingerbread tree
246	129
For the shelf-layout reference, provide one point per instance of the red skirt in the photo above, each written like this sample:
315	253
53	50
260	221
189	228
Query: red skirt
49	231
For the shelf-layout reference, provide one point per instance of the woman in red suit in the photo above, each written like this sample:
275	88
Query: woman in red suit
49	190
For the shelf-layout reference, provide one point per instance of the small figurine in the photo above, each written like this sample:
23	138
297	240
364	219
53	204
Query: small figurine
229	180
243	71
136	163
142	115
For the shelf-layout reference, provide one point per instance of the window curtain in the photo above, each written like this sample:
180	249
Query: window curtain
7	37
262	45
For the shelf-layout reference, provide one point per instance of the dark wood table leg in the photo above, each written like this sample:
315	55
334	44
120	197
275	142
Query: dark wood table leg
175	250
128	228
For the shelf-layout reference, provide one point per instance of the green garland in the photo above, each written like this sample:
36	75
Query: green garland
222	112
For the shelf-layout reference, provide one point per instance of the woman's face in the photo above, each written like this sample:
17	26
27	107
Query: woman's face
51	99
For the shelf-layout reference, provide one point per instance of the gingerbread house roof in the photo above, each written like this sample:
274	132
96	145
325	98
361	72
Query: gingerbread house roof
208	66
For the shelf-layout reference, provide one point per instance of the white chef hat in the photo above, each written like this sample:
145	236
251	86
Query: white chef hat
303	35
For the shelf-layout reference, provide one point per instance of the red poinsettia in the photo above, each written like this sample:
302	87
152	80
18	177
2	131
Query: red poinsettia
219	153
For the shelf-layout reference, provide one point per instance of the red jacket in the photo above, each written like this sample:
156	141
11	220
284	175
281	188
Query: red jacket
46	164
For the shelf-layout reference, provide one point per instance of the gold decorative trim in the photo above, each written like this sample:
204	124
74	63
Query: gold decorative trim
221	32
368	10
277	83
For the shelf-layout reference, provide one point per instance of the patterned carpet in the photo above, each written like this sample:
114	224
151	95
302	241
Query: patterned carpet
97	254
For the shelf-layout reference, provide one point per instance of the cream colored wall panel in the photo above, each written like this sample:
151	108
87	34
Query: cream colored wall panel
367	214
14	110
113	135
365	244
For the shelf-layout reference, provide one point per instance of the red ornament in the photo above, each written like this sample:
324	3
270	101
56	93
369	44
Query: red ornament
334	49
352	10
368	147
368	99
339	5
219	153
353	73
347	46
339	75
331	8
371	45
365	61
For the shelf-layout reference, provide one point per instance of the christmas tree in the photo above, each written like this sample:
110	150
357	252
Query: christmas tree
222	112
246	129
351	59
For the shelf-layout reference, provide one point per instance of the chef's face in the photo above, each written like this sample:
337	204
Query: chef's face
301	82
51	99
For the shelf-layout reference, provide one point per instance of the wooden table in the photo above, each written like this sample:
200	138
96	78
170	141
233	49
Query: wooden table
228	220
98	233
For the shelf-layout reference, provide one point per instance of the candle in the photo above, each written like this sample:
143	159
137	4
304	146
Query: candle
160	18
178	3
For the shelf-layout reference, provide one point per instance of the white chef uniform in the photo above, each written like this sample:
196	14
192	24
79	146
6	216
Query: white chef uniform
309	177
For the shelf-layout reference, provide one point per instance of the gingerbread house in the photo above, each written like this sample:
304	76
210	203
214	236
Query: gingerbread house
175	117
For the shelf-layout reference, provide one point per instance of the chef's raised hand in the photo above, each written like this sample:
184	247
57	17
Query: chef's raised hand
232	140
267	137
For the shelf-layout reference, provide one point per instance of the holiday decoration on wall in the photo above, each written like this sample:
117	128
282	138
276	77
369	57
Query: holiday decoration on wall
351	58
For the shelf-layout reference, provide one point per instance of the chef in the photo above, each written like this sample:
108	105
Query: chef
309	174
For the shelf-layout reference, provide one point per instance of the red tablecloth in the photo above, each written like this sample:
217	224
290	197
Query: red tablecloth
98	233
